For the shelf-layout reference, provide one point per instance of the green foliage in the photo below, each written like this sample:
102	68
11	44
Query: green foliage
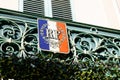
52	68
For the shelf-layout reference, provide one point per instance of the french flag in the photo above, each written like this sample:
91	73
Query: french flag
53	36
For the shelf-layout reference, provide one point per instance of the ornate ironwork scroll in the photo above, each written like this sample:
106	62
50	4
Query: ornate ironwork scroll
93	46
18	38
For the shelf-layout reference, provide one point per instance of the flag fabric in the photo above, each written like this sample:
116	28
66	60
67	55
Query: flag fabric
53	36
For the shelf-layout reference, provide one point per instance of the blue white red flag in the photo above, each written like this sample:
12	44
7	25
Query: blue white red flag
53	36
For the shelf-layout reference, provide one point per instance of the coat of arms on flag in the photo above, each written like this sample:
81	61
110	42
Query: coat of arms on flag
53	36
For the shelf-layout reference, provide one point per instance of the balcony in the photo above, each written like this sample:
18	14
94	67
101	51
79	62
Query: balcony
19	36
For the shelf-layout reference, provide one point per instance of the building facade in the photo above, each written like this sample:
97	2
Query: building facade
19	36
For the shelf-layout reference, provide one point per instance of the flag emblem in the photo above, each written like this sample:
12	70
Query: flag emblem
53	36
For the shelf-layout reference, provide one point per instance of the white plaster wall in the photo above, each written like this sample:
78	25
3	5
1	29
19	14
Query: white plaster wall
97	12
112	13
89	11
9	4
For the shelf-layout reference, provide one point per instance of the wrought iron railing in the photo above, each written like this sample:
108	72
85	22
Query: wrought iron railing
94	46
19	36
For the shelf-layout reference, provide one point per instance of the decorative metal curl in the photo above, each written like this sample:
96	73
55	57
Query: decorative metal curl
30	44
10	48
85	42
